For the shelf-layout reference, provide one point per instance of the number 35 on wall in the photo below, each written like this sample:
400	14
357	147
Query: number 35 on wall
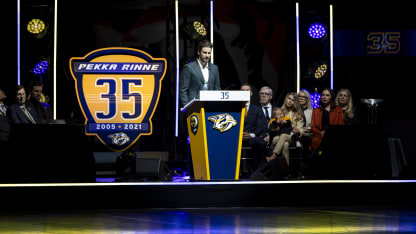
382	43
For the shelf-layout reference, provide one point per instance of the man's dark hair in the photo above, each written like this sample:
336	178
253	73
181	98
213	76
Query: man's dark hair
204	43
249	85
35	83
19	87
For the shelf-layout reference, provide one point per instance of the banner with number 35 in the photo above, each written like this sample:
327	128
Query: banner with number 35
118	91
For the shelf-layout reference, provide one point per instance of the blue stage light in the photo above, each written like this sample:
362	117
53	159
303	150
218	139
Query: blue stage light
315	97
41	68
317	30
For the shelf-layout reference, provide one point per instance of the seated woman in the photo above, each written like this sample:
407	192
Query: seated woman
293	110
344	100
328	113
306	139
280	130
306	106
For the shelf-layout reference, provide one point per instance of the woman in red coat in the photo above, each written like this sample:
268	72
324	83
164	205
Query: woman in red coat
328	113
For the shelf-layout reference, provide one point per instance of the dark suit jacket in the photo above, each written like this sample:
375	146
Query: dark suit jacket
17	116
191	81
255	121
4	128
43	110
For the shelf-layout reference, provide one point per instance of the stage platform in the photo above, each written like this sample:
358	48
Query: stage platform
62	174
204	194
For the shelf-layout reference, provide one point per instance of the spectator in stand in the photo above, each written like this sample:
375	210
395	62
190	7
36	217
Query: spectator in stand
306	106
4	121
351	114
3	106
255	130
43	110
293	110
20	113
266	95
280	130
328	113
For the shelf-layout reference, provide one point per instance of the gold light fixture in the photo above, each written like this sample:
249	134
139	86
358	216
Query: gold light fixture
320	71
200	28
195	30
36	26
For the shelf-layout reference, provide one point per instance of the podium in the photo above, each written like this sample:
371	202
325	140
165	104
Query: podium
215	127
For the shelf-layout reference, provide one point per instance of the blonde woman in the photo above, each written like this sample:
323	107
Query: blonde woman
306	106
344	100
293	110
280	129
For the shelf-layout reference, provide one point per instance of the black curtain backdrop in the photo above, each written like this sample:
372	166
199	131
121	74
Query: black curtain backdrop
254	42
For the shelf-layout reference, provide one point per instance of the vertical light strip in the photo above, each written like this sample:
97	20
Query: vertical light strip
177	66
211	26
297	50
331	46
55	43
18	42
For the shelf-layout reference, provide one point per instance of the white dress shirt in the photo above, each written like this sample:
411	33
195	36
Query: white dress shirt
269	111
3	109
205	73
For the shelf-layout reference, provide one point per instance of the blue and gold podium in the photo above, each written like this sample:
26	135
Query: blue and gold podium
215	127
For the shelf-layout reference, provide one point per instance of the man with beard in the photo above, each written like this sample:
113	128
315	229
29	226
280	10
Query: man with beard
195	76
42	109
199	75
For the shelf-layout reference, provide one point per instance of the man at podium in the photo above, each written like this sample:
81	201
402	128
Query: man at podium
198	75
195	76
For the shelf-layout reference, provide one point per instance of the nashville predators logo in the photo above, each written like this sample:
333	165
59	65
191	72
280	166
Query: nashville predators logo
119	138
118	91
223	122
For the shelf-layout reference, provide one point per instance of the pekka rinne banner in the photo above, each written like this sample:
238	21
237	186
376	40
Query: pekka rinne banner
118	91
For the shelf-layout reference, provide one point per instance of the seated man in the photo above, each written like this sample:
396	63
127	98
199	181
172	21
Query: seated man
255	130
4	129
20	113
43	110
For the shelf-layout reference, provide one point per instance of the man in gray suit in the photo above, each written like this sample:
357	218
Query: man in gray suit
198	75
195	76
